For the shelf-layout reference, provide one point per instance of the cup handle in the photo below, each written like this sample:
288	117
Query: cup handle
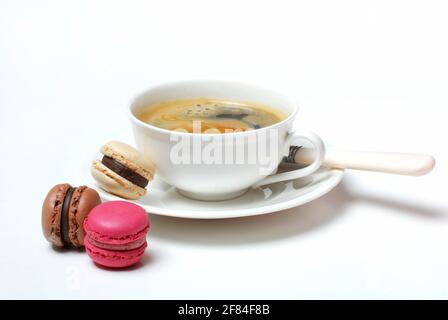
319	148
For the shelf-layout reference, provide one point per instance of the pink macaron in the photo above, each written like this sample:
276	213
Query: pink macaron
116	234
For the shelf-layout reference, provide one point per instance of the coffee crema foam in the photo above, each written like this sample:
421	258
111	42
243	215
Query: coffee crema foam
213	116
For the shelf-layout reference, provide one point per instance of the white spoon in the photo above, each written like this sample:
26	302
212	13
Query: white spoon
390	162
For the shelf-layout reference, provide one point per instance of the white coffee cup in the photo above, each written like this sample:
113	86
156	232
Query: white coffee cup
205	178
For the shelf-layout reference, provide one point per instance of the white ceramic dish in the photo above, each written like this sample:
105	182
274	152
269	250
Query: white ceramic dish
163	199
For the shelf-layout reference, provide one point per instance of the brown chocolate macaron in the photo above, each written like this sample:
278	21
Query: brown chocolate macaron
63	214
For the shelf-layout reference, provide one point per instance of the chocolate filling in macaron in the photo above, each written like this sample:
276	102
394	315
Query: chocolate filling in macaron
125	172
64	218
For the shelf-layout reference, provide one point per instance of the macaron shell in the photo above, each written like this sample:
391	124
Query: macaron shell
130	157
83	200
51	214
114	259
115	184
117	222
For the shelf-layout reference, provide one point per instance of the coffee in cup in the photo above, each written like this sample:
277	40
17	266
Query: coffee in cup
206	115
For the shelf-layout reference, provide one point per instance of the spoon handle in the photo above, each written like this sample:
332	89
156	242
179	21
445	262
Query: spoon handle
389	162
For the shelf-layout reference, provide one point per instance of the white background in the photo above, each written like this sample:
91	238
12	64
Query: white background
367	75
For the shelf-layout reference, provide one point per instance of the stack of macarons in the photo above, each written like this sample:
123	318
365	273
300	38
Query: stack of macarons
113	233
122	171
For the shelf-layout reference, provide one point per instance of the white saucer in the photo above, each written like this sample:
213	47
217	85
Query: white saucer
162	199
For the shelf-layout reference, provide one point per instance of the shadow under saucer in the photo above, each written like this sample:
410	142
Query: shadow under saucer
278	225
283	224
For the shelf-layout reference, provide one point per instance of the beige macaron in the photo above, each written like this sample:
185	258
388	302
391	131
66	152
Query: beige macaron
123	171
